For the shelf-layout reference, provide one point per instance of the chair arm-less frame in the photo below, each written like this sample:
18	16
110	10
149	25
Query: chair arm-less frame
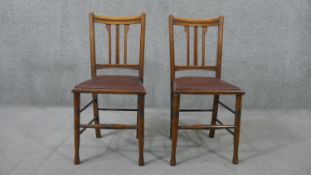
116	84
201	85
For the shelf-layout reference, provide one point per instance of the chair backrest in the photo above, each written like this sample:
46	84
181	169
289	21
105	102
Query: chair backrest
116	22
196	24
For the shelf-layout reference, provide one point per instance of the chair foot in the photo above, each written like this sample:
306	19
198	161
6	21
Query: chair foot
235	160
173	162
211	134
98	135
77	161
141	161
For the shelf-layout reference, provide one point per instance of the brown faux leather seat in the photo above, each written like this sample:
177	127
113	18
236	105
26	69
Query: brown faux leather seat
202	84
111	83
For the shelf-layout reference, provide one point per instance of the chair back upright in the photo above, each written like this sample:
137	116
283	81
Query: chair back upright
196	24
114	23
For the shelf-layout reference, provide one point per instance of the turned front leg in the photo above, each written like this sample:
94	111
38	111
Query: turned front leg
140	129
77	127
237	123
175	128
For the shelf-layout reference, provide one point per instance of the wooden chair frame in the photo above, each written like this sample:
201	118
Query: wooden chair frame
175	95
109	21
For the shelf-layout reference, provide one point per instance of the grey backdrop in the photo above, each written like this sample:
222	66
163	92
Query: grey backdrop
45	49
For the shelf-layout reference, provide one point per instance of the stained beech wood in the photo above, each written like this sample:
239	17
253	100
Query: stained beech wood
126	30
117	20
140	115
137	116
92	44
195	46
204	30
188	44
201	126
96	114
104	91
76	108
97	87
172	65
219	46
172	49
214	115
108	27
142	46
176	102
189	68
117	44
237	123
196	25
117	66
193	22
109	126
209	92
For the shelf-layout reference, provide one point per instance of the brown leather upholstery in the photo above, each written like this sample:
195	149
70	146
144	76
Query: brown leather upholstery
112	83
202	84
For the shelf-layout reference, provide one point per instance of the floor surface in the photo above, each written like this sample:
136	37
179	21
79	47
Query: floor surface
40	141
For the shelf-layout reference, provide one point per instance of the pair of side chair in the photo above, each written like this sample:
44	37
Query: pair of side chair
133	85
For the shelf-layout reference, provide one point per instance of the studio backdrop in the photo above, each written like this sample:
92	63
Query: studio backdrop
44	49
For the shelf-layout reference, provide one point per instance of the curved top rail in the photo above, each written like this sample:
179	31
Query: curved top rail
197	22
118	20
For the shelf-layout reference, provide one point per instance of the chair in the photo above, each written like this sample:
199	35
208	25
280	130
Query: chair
113	84
201	85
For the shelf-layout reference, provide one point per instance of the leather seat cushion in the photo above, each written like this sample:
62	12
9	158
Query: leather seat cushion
202	83
113	82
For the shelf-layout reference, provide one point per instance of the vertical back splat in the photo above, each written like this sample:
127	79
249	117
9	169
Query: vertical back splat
204	30
108	27
187	44
126	29
117	44
195	49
